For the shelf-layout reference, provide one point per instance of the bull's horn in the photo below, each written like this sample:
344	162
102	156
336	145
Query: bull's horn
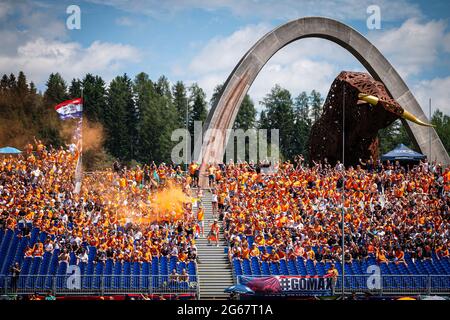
368	98
409	116
405	115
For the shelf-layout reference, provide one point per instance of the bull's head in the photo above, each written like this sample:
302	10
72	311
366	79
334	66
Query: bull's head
375	101
368	108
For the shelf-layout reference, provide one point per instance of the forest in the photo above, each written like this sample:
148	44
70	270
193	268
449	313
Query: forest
131	120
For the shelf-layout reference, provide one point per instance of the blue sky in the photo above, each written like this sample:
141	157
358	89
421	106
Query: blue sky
202	40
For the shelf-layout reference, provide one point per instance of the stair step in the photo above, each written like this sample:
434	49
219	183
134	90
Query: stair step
214	270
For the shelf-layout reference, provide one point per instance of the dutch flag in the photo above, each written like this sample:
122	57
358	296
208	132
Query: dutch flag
70	109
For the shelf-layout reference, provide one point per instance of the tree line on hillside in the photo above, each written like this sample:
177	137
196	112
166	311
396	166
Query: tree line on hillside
139	115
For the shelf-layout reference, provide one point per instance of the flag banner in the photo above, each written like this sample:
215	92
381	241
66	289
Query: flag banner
290	285
70	109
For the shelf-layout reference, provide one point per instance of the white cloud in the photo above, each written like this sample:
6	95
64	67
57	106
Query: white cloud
446	43
4	9
125	21
438	90
40	57
223	53
272	9
413	46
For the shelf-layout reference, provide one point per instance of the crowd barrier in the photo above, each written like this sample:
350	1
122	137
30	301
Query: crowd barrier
96	284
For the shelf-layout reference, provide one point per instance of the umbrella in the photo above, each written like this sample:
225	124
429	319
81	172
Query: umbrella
8	150
239	288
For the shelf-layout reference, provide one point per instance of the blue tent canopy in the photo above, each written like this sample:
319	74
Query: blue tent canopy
9	150
402	152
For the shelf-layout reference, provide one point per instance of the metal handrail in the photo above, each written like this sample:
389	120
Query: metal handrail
97	284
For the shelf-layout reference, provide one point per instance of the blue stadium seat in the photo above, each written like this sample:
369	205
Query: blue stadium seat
192	271
146	274
97	280
34	271
61	275
126	279
237	267
136	272
292	268
117	275
265	271
256	270
274	269
108	273
246	268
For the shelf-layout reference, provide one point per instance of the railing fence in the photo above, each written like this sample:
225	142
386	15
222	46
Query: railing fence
96	284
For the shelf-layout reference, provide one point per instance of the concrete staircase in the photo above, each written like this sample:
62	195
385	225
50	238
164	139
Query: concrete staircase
214	270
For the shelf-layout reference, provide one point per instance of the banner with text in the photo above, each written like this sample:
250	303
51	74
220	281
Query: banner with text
296	285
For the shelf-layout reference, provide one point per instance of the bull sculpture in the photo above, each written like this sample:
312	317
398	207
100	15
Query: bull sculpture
367	108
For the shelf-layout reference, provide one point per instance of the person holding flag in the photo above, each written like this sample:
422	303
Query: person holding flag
73	109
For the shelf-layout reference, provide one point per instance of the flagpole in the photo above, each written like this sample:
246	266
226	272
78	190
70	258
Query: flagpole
79	168
343	197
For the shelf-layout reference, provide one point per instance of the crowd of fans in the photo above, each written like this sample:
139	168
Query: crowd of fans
113	210
389	211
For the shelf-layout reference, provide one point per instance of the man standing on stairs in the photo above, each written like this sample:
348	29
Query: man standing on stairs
214	203
201	219
214	233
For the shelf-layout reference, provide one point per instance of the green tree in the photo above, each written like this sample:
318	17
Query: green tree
56	89
215	96
279	113
316	102
149	122
22	86
197	101
392	136
75	88
181	103
94	96
302	108
120	119
246	116
303	124
12	82
442	127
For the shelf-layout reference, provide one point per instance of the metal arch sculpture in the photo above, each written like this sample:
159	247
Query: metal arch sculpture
222	115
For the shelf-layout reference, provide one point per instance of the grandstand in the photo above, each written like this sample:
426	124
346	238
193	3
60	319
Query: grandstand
109	241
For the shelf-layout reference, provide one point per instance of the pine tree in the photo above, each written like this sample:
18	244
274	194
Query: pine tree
302	108
279	110
4	83
197	101
442	123
181	103
120	119
149	123
94	96
246	116
32	88
56	89
22	86
392	136
75	88
316	102
215	95
12	82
